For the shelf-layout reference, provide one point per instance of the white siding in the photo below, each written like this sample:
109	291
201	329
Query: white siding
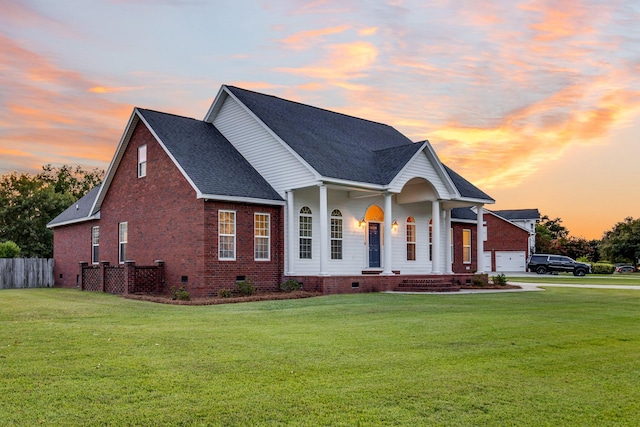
265	153
355	249
421	167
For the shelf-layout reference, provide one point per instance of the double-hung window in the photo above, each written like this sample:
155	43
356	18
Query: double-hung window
142	161
227	235
336	234
466	246
305	232
261	236
123	232
411	239
95	244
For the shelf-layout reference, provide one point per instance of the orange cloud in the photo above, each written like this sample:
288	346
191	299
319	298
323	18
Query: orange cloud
304	39
343	62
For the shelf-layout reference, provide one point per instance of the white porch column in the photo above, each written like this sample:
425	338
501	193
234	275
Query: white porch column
447	242
388	218
436	244
480	240
324	232
290	252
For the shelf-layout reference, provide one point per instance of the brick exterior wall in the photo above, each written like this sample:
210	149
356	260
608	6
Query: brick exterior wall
502	236
167	222
71	245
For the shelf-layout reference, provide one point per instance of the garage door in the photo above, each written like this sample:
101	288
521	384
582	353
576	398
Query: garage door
511	261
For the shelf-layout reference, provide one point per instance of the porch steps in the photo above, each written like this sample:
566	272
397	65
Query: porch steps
427	285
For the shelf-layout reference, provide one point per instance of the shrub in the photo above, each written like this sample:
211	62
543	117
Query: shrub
290	285
500	279
180	294
224	293
245	288
478	280
603	268
9	249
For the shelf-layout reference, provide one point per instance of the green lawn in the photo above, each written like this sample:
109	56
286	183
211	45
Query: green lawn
589	279
563	357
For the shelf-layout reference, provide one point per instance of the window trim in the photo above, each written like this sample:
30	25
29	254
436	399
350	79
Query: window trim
306	213
469	246
336	235
257	237
142	161
410	237
221	235
123	241
95	244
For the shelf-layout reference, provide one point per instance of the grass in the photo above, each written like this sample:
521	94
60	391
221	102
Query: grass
589	279
559	357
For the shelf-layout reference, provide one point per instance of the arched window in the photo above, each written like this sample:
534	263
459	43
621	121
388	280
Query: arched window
336	234
305	232
411	239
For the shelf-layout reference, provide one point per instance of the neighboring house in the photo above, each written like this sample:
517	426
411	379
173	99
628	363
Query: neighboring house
267	189
527	219
506	243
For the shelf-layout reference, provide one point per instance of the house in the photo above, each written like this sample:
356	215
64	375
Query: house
265	189
527	219
506	243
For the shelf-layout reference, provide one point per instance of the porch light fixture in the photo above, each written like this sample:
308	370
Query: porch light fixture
361	222
394	224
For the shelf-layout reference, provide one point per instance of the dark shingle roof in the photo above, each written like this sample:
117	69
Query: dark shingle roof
334	144
80	210
515	214
208	158
463	213
466	189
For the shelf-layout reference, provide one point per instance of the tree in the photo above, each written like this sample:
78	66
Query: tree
548	233
622	242
29	202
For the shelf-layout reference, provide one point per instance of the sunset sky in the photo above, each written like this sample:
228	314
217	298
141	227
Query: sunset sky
535	102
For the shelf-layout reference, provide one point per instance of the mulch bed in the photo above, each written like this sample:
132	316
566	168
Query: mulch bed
166	299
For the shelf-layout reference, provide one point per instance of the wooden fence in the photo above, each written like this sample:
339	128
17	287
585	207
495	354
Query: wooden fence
16	273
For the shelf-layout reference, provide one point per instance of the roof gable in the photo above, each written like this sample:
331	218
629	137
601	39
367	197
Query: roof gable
212	165
334	144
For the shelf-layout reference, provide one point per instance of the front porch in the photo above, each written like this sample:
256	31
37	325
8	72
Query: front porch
328	285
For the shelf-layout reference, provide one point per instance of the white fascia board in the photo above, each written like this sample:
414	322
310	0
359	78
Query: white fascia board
217	104
75	221
115	161
440	169
353	185
251	200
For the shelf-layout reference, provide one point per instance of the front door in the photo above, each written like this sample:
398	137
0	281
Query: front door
374	245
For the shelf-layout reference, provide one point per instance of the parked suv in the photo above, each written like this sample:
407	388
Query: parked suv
545	263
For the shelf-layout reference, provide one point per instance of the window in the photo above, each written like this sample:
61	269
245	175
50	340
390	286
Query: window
336	234
466	246
261	241
305	225
431	240
142	161
411	239
95	243
123	237
227	235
